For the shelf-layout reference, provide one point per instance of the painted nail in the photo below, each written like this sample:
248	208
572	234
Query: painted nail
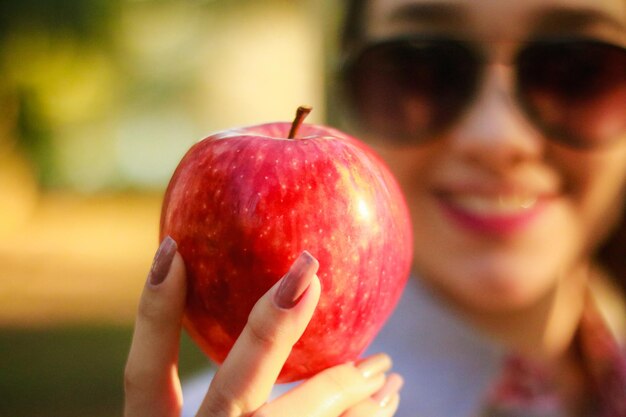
296	281
162	261
392	386
374	365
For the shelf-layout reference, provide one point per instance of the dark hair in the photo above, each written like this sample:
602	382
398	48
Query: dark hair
352	27
611	254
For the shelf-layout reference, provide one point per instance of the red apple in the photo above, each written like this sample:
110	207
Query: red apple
244	203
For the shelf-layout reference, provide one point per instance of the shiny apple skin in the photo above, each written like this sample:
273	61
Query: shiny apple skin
244	203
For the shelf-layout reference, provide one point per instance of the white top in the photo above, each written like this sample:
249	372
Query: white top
434	351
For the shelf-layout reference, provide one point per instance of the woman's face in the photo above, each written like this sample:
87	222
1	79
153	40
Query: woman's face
500	212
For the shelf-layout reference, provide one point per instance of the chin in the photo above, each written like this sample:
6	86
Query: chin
494	287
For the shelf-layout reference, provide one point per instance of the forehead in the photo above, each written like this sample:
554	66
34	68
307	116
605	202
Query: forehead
497	18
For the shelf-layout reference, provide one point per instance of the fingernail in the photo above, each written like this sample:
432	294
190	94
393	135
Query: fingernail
162	261
392	386
374	365
296	281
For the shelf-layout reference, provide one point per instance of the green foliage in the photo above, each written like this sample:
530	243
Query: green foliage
70	371
84	19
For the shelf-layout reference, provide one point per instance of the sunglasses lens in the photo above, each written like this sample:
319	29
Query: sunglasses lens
408	90
576	90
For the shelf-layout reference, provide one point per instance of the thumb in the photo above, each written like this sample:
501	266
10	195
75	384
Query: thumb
151	380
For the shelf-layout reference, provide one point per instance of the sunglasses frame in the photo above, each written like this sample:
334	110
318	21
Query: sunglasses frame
479	57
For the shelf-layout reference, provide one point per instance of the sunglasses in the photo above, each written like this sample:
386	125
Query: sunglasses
408	90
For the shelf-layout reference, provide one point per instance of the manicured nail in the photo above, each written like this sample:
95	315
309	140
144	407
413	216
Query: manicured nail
374	365
162	261
296	281
392	386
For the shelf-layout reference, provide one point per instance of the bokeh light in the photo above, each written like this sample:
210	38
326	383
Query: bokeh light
99	100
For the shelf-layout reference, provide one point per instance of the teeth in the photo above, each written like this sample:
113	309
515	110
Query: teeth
527	202
498	205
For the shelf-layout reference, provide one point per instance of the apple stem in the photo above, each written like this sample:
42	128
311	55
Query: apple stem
301	114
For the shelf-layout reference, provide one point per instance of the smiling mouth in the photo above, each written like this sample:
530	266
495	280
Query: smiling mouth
496	205
494	213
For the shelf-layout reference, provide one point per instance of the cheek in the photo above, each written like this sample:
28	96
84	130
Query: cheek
595	184
410	166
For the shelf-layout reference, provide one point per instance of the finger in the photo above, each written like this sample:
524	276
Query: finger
383	403
245	379
151	381
333	391
371	409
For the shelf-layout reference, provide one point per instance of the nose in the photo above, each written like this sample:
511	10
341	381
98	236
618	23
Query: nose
494	131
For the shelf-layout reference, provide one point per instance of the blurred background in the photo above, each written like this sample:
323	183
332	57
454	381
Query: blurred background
99	100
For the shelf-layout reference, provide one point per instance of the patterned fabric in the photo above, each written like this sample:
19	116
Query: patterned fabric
525	389
605	362
528	389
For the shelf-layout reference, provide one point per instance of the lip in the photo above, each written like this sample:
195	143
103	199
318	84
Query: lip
493	213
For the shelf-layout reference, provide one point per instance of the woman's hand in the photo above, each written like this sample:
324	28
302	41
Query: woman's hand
243	383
